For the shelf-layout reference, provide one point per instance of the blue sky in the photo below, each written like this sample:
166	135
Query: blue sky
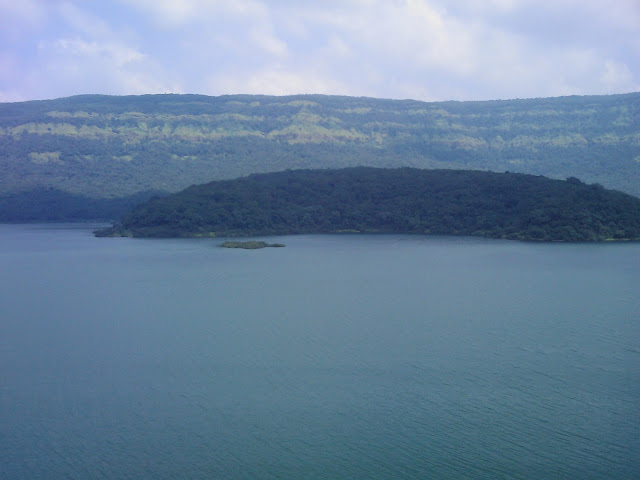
420	49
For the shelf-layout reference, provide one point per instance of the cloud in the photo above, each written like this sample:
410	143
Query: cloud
178	13
108	67
275	82
615	74
468	50
424	49
83	22
264	39
80	51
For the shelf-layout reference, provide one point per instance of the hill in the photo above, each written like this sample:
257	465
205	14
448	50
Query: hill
405	200
111	147
52	205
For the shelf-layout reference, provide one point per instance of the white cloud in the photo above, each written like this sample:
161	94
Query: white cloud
472	50
615	74
337	47
425	49
112	54
275	82
109	67
264	39
82	22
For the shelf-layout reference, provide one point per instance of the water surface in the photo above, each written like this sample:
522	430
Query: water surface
336	357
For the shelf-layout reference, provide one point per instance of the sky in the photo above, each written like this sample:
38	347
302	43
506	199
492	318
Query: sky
429	50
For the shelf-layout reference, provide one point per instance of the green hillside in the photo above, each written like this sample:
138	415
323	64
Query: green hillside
105	146
404	200
108	147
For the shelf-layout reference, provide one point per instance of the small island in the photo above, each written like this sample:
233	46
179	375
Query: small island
250	245
512	206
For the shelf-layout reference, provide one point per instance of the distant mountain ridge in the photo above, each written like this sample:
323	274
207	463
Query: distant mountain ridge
405	200
110	147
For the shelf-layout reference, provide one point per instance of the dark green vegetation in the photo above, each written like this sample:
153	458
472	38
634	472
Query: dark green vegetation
51	205
250	245
111	147
405	200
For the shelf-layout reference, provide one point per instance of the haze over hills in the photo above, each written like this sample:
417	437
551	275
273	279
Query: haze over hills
107	147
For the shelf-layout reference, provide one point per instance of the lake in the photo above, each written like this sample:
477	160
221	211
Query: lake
339	356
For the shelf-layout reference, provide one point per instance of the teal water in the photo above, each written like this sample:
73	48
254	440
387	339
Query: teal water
352	357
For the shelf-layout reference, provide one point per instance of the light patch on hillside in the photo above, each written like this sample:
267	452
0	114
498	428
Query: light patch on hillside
42	158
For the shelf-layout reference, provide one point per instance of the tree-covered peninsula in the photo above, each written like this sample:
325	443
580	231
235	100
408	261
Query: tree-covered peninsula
404	200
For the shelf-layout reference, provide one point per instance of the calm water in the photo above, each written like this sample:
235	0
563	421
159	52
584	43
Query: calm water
351	357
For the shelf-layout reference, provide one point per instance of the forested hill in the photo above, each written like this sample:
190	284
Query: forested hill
405	200
107	147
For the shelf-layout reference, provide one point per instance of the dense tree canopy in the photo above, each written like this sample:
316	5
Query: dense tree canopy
405	200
